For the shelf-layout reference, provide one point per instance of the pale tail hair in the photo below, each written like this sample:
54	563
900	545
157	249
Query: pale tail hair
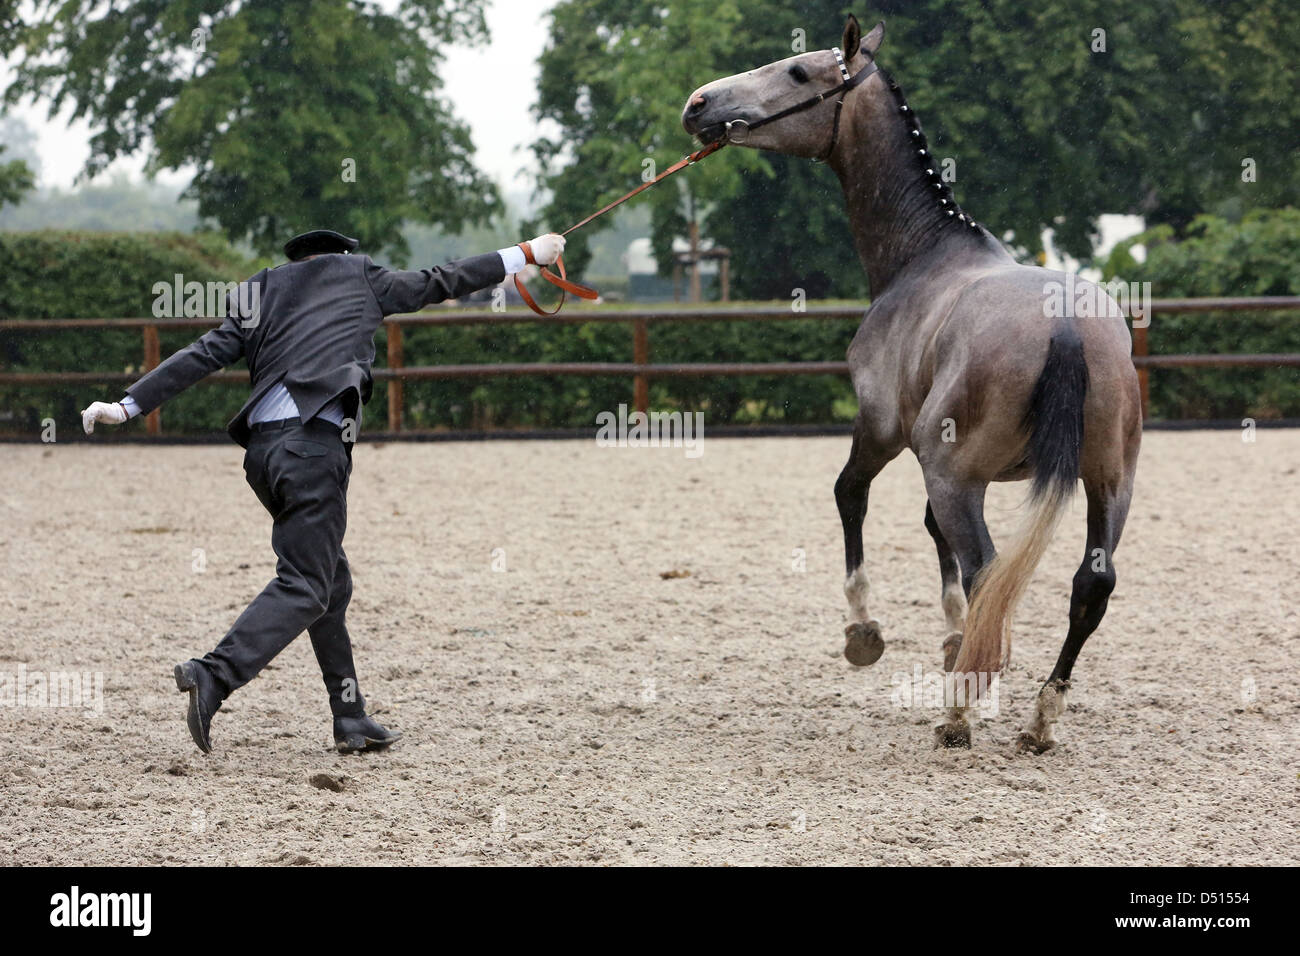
986	640
1054	425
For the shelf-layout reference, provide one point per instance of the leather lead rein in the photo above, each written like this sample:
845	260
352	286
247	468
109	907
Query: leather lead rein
561	281
566	286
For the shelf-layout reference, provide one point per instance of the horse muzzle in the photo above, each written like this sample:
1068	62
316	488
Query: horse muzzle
709	130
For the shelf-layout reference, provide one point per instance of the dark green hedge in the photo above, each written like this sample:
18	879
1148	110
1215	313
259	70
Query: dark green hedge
56	275
574	402
86	275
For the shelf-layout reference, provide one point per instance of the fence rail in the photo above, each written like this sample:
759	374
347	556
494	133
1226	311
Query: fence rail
641	370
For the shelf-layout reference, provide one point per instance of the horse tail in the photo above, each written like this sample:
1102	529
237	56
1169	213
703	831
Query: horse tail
1054	424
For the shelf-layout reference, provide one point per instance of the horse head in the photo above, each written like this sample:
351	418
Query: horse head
776	107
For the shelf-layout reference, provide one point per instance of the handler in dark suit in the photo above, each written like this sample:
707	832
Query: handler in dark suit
309	342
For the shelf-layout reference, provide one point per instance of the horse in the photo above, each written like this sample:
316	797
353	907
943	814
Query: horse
964	357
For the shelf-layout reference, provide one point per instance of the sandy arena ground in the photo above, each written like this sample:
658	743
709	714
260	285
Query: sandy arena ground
580	707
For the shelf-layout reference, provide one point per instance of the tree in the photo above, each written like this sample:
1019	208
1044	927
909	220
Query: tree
1049	122
297	114
15	179
613	78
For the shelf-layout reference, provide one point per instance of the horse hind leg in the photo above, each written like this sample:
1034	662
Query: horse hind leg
863	643
952	596
1093	584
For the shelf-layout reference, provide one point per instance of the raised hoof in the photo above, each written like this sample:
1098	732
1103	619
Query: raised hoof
863	644
952	735
1028	743
951	646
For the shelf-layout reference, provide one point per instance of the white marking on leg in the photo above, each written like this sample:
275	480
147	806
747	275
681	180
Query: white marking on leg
856	589
954	607
1048	708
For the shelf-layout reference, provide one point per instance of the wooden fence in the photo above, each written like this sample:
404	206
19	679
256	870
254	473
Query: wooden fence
641	370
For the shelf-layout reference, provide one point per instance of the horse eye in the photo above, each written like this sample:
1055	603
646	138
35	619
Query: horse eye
799	73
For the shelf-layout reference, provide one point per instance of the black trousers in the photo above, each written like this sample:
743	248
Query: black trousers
300	473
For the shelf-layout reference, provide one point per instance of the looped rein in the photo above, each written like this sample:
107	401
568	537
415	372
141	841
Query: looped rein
562	281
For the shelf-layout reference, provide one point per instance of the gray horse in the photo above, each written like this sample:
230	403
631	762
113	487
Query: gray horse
965	356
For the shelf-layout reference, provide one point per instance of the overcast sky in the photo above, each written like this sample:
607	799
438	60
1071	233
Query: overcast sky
491	87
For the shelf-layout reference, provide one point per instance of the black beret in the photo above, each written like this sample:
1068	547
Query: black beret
316	242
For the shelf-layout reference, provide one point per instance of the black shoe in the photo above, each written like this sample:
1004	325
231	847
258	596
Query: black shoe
205	700
352	734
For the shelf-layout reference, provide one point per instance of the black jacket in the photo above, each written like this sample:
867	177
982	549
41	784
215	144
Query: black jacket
314	330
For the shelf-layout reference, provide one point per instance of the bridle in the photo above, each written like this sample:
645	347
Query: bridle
735	131
849	82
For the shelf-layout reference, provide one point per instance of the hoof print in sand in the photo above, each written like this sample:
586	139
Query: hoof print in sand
954	735
327	781
1029	744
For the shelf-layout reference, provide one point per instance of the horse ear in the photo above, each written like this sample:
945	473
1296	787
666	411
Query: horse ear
852	35
873	39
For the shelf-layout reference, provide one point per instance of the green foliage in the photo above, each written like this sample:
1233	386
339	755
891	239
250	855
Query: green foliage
1045	132
614	78
1256	256
269	101
15	179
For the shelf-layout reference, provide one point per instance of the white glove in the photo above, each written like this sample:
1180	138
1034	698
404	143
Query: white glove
547	248
111	413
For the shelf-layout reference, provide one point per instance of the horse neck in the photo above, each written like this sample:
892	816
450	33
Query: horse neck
894	209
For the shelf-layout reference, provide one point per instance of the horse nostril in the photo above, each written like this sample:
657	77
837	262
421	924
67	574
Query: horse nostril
696	106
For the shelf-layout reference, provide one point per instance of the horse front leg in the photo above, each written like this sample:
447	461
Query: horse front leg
863	643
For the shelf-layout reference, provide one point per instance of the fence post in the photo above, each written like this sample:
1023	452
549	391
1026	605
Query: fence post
396	392
641	356
1140	348
152	356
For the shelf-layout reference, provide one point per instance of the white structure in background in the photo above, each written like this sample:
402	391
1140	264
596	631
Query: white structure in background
1114	229
644	281
640	258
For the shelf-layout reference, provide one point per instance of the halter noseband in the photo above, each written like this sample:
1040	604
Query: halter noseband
738	130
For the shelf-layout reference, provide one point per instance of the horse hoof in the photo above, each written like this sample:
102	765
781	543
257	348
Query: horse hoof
951	645
1038	738
863	644
1028	743
953	735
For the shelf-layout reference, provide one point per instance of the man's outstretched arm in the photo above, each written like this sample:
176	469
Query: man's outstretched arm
214	350
409	291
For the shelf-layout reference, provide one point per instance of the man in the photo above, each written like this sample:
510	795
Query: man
309	342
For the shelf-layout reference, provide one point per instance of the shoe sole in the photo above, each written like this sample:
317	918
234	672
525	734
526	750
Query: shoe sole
184	684
354	743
